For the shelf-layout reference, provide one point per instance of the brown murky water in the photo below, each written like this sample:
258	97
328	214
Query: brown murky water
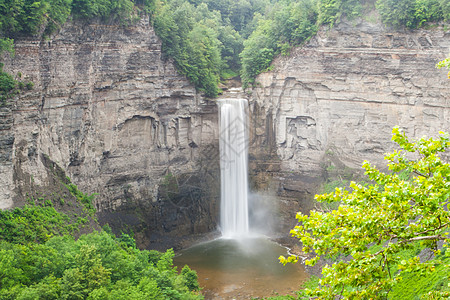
241	269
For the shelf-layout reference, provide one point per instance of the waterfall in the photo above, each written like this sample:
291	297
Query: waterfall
233	143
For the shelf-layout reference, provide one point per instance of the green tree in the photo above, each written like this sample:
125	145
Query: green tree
79	282
377	221
287	24
190	36
9	16
259	50
191	278
58	12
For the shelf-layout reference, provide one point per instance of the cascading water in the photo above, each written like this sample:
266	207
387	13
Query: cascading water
239	265
233	144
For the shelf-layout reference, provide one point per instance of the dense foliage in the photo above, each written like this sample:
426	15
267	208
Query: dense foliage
287	23
29	17
205	38
190	36
413	13
34	224
393	214
40	259
96	266
41	218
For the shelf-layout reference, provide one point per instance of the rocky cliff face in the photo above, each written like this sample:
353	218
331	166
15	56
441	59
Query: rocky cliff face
332	103
123	124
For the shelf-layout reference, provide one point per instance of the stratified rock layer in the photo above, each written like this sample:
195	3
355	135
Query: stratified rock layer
333	103
123	124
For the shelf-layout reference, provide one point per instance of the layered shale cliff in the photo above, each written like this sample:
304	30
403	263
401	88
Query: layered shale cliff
121	122
332	103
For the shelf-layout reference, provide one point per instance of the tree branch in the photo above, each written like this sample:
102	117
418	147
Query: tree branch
429	237
434	229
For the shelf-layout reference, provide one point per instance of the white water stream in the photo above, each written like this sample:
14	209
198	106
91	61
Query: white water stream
233	143
238	266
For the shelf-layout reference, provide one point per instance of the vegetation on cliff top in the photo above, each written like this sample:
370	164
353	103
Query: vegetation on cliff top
19	18
376	223
210	40
214	39
29	17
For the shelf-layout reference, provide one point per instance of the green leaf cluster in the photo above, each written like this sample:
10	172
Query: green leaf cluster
330	11
33	224
122	10
394	213
444	64
10	86
38	221
40	259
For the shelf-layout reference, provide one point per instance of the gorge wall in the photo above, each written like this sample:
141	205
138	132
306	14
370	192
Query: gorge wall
110	111
121	122
332	103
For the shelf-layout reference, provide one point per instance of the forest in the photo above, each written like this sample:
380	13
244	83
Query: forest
44	254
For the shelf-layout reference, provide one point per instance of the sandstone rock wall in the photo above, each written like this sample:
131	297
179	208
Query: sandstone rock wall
333	103
123	124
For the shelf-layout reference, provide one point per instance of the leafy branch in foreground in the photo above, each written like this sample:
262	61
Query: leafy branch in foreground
393	214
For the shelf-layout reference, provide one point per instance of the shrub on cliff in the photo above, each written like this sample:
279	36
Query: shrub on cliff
376	222
9	86
412	13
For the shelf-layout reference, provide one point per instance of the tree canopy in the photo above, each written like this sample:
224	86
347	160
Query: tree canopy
41	259
376	221
96	266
